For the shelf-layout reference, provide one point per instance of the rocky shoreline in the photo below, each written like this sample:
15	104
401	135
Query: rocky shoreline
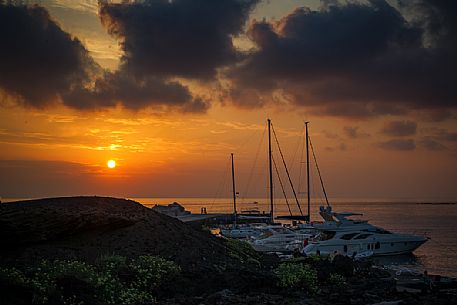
184	264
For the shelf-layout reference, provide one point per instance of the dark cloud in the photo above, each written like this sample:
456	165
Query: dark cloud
450	136
41	64
398	144
134	93
432	145
340	147
330	134
187	38
355	60
354	132
399	128
38	61
444	135
437	115
438	18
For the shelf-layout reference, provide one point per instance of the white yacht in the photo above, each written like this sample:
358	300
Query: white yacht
246	230
279	239
338	234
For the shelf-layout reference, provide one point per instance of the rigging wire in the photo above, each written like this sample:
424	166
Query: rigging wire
300	171
222	183
292	161
318	171
316	195
287	171
251	173
282	187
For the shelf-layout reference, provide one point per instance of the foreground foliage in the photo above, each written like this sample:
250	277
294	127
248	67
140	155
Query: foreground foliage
243	252
297	275
112	280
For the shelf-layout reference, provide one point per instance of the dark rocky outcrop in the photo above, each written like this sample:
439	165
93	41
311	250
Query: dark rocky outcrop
89	227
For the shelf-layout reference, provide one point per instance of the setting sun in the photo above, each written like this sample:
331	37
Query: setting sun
111	163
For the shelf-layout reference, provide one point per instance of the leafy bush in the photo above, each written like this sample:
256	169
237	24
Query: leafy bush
43	277
242	251
112	280
134	282
152	271
298	276
317	258
337	280
12	275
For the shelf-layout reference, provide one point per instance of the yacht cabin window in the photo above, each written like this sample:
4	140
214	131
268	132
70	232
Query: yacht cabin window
348	236
326	235
363	236
265	234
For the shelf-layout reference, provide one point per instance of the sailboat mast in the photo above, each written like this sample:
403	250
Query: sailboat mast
233	188
271	171
307	170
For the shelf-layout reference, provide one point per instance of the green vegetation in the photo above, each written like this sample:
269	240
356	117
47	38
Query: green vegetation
297	276
242	251
337	280
112	280
317	258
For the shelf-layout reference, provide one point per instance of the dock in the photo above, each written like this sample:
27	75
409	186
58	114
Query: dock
201	217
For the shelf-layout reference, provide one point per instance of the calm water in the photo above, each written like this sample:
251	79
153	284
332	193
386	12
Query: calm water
438	221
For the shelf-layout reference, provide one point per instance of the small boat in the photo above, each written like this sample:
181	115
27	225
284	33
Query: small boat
245	230
279	239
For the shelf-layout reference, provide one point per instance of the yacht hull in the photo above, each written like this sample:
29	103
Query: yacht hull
379	248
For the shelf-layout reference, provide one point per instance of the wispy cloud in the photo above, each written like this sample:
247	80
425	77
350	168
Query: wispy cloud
398	145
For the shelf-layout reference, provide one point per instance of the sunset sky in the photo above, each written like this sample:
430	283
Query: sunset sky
169	88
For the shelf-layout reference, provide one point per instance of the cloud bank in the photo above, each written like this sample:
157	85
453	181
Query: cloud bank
42	65
358	59
354	60
399	128
39	61
185	38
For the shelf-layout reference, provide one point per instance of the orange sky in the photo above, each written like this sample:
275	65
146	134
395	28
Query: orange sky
56	150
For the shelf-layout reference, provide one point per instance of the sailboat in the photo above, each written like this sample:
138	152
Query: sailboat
253	230
267	237
243	230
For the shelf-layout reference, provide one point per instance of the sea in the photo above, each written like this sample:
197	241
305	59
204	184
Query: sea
436	220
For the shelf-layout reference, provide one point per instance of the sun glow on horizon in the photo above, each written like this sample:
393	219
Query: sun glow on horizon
111	163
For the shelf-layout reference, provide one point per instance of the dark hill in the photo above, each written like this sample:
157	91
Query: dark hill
89	227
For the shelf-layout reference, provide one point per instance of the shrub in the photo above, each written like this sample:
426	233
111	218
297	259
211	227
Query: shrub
337	280
43	278
317	258
121	282
152	272
12	275
102	283
242	251
298	276
111	263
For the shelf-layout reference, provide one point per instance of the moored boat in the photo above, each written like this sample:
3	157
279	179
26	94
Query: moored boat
339	234
279	239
